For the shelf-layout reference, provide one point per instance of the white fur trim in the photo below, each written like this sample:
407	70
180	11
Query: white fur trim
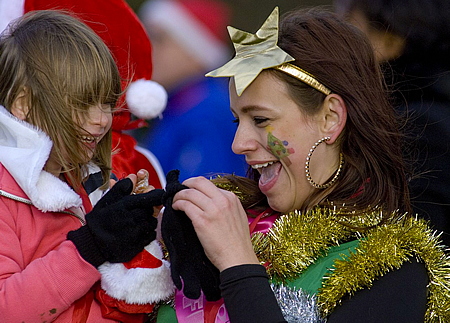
10	10
146	99
24	150
193	35
52	194
138	285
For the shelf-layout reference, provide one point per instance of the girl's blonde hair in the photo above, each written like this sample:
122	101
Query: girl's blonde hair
64	68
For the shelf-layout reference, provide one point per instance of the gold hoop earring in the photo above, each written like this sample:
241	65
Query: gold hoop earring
336	175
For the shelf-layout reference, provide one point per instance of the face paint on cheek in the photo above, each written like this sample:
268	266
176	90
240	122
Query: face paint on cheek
278	148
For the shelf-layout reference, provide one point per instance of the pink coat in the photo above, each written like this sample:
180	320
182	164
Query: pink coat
41	273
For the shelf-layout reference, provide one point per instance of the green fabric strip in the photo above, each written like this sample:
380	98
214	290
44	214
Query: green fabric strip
311	279
166	314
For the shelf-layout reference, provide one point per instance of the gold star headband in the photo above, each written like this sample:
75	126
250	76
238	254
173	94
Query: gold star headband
256	52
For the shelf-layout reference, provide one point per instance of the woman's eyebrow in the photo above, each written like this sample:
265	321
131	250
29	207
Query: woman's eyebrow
250	108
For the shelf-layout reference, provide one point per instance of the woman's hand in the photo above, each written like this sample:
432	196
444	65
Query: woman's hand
219	221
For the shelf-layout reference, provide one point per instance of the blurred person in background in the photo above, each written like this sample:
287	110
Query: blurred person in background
411	41
189	38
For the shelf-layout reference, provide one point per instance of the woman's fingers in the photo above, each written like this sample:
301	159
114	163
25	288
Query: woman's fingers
203	198
219	220
203	185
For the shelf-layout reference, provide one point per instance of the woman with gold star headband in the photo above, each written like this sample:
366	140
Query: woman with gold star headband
331	234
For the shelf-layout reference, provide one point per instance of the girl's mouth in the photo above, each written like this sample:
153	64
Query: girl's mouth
88	139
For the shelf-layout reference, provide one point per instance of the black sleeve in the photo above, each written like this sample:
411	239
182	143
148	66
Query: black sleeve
247	295
398	296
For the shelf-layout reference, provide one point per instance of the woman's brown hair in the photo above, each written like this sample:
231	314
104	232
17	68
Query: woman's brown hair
64	68
342	59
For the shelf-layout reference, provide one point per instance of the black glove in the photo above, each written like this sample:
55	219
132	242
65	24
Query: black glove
119	226
187	257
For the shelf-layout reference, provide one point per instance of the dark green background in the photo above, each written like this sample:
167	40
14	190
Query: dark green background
248	15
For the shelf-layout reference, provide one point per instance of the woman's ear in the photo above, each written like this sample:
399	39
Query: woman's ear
20	107
334	117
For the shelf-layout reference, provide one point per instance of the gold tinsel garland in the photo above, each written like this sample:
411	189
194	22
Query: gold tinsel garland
297	240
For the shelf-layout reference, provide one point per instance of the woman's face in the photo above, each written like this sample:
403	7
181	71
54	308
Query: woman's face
275	138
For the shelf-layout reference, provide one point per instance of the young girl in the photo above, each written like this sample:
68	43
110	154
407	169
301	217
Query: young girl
58	88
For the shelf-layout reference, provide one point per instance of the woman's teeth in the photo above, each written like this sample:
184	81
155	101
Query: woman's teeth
262	165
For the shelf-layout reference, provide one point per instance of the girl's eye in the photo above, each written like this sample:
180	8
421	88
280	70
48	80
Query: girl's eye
260	120
236	121
106	108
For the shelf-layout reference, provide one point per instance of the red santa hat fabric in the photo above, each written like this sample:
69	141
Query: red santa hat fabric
116	23
144	280
119	27
196	24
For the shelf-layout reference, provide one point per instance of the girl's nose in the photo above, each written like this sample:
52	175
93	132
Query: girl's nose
100	116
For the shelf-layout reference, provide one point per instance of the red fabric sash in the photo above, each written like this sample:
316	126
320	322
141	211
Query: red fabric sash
83	306
121	311
87	205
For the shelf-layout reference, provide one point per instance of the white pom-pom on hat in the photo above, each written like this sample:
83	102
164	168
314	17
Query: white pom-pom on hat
10	10
146	99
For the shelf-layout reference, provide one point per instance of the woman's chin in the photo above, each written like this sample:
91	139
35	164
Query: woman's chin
277	205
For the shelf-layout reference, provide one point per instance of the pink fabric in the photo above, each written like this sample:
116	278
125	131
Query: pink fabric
264	224
41	273
199	310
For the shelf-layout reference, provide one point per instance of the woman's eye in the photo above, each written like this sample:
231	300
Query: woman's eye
236	121
260	120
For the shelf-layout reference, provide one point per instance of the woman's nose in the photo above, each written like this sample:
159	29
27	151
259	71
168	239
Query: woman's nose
244	141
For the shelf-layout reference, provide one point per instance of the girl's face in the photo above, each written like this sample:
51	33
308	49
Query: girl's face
275	138
96	125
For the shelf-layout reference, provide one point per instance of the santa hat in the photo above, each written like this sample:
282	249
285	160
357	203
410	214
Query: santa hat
128	290
144	280
116	23
198	25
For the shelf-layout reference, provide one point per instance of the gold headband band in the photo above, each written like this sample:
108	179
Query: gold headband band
303	76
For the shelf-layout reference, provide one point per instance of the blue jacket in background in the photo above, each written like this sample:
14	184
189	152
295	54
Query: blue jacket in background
196	131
